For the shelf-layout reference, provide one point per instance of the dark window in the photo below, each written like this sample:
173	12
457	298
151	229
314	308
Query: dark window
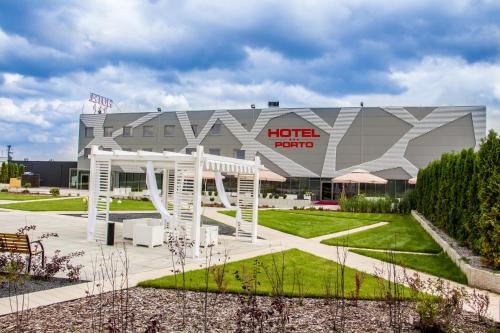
108	131
127	149
195	129
214	151
147	149
169	149
169	130
238	153
86	152
215	130
189	151
148	131
127	131
107	149
89	132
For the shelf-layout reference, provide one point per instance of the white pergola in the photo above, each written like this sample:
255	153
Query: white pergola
181	187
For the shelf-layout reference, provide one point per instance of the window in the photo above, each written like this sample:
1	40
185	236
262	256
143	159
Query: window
127	149
169	149
89	132
215	130
214	151
189	151
108	131
169	130
86	152
107	149
127	131
147	131
195	129
238	153
244	125
147	149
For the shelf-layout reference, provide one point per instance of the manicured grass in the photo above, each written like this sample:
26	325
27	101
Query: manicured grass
311	269
308	224
77	204
436	264
22	197
402	233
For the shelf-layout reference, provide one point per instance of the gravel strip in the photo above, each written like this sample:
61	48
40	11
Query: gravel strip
473	259
34	284
164	308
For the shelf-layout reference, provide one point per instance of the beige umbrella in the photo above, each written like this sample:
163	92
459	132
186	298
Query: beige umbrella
412	181
270	176
205	175
359	176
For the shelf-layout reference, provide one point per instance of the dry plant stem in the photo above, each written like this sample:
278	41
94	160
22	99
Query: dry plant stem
208	264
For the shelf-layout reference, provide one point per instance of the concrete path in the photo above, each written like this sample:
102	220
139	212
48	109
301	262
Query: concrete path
348	232
353	260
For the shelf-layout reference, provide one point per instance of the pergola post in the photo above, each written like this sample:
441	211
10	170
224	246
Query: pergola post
198	175
255	204
164	188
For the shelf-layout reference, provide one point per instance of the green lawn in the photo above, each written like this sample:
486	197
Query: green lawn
312	270
402	233
308	224
436	264
22	197
77	204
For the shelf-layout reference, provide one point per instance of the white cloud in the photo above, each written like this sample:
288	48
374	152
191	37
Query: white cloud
53	121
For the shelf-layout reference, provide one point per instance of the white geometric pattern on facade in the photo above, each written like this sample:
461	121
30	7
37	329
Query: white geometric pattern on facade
392	158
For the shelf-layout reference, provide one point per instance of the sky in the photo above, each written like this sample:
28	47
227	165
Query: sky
183	55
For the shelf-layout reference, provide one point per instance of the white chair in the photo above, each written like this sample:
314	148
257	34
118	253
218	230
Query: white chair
209	235
147	235
128	225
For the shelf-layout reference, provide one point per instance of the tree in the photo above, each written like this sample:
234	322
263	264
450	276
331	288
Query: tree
489	196
4	174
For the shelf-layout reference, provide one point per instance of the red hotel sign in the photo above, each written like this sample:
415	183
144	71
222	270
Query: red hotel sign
293	137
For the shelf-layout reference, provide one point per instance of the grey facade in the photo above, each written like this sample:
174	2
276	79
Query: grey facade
299	143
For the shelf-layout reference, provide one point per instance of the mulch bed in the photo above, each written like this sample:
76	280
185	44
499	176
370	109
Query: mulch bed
162	310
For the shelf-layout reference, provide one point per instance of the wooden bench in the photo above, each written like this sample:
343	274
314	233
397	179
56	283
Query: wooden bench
20	243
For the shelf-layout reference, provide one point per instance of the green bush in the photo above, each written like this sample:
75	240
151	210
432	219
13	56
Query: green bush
4	190
55	191
460	194
361	204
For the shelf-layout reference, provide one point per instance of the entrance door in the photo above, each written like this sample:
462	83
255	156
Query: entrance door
326	191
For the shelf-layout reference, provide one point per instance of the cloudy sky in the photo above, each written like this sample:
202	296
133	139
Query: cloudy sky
230	54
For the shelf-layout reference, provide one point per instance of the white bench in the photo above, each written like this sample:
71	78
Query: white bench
209	235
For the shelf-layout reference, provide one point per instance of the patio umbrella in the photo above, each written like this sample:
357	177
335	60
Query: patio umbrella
270	176
359	176
412	181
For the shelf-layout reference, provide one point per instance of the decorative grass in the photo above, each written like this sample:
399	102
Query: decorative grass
309	224
312	271
436	264
77	204
402	233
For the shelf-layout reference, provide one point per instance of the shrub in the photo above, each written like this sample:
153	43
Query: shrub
284	196
145	199
459	194
55	191
4	190
276	196
361	204
212	199
27	185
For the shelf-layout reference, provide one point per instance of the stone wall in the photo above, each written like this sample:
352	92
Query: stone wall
479	278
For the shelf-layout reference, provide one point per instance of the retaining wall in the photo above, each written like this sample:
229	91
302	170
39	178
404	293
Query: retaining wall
476	277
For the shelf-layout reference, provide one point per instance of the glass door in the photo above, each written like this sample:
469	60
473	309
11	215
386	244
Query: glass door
326	191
